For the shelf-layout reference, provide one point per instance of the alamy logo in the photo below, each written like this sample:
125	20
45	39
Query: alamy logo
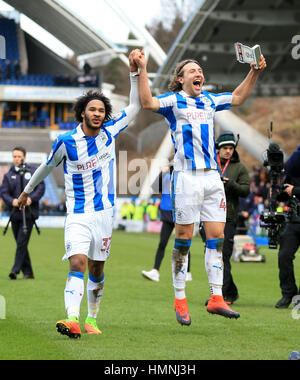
2	308
2	48
296	49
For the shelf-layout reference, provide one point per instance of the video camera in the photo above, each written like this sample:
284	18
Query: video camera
22	168
271	219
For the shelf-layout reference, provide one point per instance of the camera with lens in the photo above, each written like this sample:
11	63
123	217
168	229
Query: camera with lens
275	158
271	219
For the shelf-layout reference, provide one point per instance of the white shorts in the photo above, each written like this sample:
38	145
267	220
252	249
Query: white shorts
89	234
198	195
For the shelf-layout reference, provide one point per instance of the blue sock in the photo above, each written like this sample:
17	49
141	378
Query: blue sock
183	245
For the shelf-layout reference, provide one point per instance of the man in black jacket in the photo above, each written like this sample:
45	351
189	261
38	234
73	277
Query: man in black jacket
289	241
13	184
236	184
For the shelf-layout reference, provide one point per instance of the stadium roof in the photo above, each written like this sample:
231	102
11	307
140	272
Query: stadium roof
211	31
87	43
62	24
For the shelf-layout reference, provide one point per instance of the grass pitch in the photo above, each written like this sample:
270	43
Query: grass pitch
136	315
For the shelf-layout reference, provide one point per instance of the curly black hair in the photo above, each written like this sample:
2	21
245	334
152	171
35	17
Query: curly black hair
81	103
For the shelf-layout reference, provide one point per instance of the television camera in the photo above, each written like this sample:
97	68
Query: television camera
271	219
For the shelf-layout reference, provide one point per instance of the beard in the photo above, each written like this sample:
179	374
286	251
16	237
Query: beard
89	124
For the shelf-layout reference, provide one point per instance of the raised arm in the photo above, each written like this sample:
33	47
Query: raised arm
129	113
242	92
148	102
134	100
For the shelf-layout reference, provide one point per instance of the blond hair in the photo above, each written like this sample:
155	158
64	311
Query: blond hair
174	85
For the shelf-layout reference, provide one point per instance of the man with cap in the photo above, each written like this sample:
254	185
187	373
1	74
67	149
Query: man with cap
236	182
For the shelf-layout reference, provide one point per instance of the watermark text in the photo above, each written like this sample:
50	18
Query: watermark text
296	49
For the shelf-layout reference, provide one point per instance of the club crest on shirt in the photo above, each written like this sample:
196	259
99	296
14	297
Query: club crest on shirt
27	176
68	246
179	214
118	116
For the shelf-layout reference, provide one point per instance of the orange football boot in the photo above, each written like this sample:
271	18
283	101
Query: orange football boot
69	327
217	305
182	312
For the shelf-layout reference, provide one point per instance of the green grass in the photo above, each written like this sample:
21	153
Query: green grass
136	316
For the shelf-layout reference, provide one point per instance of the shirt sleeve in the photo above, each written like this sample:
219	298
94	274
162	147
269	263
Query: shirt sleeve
55	157
166	102
222	101
121	121
57	154
39	190
39	175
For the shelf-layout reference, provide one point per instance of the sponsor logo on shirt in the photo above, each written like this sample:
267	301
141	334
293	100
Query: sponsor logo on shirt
196	115
94	163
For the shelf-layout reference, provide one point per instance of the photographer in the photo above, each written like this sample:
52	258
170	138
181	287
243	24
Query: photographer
236	182
290	239
13	184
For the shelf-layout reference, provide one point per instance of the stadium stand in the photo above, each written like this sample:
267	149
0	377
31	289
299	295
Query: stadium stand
9	32
10	72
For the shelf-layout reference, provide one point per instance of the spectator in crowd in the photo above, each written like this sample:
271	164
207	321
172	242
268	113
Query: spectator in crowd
246	209
236	182
87	68
61	207
45	206
17	69
139	212
125	213
152	211
8	72
43	117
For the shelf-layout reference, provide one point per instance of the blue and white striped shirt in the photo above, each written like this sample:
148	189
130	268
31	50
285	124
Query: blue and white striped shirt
89	166
89	162
191	121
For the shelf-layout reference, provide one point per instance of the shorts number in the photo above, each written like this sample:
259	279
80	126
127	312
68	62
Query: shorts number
223	204
106	244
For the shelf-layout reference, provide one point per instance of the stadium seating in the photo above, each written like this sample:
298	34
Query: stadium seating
67	126
8	30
